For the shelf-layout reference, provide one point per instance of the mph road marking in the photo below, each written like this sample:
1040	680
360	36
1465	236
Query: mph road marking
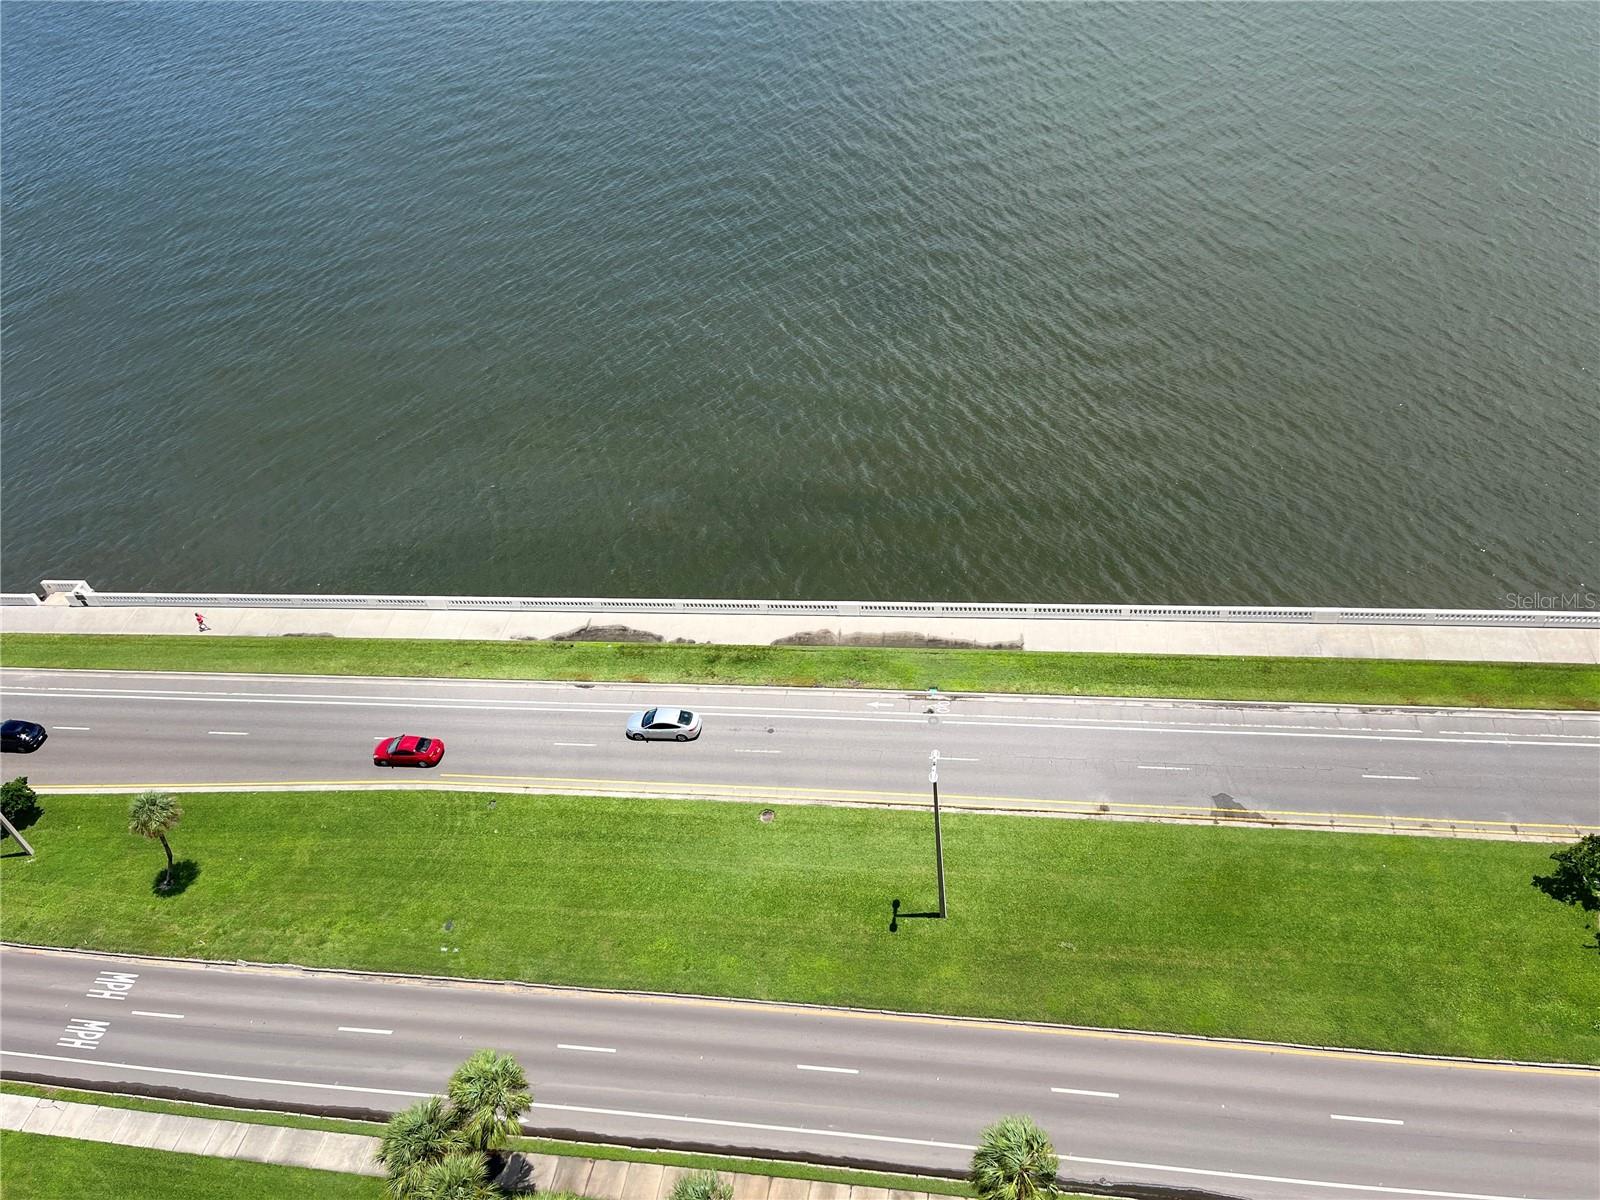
83	1033
112	985
796	1129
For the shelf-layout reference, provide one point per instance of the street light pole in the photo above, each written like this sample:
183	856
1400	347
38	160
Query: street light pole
938	838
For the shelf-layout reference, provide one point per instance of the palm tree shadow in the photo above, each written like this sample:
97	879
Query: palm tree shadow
897	916
184	872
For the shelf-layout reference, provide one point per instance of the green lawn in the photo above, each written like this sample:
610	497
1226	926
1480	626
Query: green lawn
1403	943
39	1167
1348	681
722	1163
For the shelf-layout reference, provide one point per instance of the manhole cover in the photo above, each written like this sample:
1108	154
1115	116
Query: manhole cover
766	816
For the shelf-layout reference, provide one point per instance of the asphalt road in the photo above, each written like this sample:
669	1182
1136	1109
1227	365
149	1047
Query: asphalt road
1495	771
1222	1118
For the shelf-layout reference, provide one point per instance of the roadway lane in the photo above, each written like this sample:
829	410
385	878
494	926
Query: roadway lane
1363	767
907	1092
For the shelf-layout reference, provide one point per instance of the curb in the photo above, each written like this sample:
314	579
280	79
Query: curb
897	693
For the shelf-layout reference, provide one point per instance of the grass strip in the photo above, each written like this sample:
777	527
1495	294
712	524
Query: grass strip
1324	680
42	1167
671	1158
1413	944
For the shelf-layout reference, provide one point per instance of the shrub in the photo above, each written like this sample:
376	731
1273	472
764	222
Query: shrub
702	1185
19	802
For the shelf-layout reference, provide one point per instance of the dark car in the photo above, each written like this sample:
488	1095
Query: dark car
23	736
408	750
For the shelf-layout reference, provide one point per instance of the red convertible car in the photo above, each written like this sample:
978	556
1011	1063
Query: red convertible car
408	750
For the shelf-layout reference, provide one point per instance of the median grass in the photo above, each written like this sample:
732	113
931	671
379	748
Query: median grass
1414	944
51	1168
1325	680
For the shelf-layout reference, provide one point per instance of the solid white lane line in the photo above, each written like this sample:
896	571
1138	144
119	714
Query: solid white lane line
830	1070
122	1066
1146	767
589	1049
948	759
1412	778
585	744
1085	1092
226	733
139	1012
738	751
1367	1120
829	1133
364	1029
74	728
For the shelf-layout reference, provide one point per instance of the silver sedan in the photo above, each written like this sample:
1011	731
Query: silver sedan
668	724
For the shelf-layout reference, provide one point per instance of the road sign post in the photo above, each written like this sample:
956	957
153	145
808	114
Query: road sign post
12	830
938	836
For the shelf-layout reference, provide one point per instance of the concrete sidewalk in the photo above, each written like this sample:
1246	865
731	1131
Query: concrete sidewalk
599	1179
1470	643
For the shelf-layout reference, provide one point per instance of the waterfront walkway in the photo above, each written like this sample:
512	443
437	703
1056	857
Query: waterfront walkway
1479	643
352	1153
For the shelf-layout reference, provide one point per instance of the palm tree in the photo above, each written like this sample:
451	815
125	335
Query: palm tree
154	815
459	1175
415	1140
1014	1161
488	1093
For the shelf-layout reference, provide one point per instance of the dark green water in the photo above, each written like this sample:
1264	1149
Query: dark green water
1246	304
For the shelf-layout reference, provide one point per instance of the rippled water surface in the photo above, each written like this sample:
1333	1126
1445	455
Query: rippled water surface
1248	304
